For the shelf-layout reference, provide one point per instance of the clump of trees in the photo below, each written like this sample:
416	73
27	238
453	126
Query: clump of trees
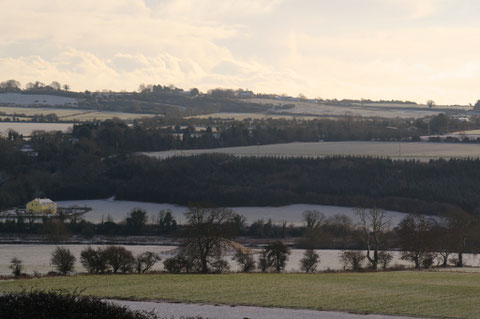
422	239
116	258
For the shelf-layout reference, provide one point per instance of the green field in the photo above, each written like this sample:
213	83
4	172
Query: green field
427	294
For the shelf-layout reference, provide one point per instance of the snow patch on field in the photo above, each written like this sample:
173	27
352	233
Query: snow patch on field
292	214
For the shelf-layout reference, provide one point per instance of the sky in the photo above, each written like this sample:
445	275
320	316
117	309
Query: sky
377	49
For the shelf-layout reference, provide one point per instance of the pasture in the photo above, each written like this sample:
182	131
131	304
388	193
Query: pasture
422	151
31	111
70	114
409	293
101	116
383	110
26	128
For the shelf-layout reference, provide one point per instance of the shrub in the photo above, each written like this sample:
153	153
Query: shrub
94	260
245	259
427	261
63	260
52	305
118	258
263	262
145	261
385	258
220	266
178	264
309	261
274	256
352	258
16	265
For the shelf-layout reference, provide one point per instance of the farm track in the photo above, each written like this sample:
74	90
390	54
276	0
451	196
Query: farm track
179	310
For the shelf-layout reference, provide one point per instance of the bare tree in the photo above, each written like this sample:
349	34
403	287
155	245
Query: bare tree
342	226
444	243
209	234
415	238
373	225
313	219
430	103
460	225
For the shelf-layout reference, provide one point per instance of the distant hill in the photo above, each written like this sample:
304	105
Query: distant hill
19	99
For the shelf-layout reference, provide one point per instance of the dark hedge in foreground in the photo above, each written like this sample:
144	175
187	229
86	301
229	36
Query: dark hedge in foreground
52	305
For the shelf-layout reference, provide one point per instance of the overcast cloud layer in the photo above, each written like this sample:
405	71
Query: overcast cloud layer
379	49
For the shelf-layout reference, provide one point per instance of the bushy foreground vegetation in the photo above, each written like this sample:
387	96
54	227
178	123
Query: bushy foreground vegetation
423	294
55	305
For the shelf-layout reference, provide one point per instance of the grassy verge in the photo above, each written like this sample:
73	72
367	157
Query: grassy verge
428	294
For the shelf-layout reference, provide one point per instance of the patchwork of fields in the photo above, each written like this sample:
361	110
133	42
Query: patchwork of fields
384	110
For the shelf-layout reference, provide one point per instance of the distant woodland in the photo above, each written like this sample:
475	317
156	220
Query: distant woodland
96	161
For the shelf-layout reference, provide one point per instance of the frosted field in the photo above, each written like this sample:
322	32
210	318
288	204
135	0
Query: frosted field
420	150
71	114
37	258
292	214
469	132
243	116
36	99
100	116
30	111
387	110
28	128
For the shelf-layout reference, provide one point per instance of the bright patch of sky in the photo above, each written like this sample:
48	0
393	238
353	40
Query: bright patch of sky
378	49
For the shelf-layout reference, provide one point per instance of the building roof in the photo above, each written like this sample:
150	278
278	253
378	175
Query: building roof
44	200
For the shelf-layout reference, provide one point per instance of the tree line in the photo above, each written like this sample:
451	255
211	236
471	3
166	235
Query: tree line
210	235
62	171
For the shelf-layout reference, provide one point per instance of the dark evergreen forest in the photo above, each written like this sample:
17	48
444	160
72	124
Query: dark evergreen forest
96	160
